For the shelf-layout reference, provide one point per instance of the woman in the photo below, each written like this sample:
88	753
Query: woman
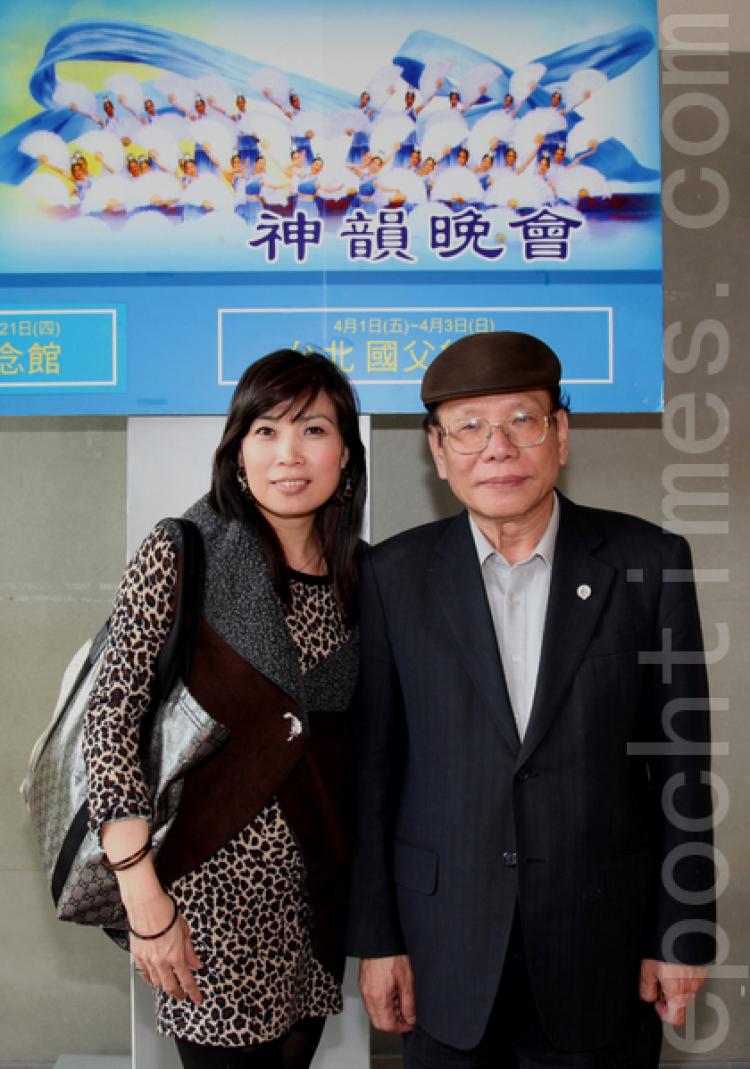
238	926
251	205
188	169
543	172
510	158
313	193
483	170
427	173
411	108
278	187
368	173
369	185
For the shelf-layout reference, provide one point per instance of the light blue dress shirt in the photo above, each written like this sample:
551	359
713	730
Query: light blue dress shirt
518	595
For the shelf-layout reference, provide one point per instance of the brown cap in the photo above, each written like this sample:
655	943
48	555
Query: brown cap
502	361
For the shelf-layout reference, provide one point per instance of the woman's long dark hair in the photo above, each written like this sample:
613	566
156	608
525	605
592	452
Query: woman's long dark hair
295	379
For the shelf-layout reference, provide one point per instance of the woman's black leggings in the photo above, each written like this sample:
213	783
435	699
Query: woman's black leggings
295	1050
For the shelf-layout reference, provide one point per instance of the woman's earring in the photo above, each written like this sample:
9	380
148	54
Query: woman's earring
345	490
243	483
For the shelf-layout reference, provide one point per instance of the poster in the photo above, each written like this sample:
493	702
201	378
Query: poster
183	189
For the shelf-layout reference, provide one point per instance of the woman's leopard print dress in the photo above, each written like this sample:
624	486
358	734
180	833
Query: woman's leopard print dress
246	906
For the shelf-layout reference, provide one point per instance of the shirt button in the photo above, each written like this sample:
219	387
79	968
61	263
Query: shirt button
516	600
510	859
516	659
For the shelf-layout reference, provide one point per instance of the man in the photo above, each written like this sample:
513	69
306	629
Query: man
532	882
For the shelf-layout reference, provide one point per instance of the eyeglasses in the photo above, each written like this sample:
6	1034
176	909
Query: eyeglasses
523	430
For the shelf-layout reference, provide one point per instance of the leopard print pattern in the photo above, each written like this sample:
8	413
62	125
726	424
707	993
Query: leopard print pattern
249	916
313	619
138	626
247	906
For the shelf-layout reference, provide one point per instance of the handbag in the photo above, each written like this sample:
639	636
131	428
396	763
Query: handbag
176	736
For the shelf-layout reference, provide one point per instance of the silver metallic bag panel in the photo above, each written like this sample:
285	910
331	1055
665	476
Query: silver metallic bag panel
183	735
55	785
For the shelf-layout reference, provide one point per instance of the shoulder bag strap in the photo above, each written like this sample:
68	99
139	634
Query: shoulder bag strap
176	655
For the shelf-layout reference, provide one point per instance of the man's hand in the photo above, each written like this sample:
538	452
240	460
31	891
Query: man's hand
387	988
670	987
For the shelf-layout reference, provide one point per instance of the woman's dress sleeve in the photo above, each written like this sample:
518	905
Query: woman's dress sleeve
139	624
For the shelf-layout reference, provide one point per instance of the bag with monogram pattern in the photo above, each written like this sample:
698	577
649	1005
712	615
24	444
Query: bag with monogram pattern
176	735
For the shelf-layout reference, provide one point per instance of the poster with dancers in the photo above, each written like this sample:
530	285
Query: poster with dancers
427	154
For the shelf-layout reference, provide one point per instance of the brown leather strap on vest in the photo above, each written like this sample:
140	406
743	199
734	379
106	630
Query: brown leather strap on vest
223	795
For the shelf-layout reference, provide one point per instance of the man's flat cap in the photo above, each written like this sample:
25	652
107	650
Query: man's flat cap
502	361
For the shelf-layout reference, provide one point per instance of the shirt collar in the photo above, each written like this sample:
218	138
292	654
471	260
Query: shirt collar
545	548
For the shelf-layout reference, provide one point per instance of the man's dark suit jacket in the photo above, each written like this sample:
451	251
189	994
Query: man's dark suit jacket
597	825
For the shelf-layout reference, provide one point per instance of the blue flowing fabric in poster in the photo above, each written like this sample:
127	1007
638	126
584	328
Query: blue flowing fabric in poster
612	54
130	42
616	161
98	39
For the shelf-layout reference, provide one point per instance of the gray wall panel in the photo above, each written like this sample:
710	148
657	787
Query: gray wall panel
62	529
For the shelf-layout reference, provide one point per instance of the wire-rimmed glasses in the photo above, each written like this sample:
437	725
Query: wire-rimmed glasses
472	433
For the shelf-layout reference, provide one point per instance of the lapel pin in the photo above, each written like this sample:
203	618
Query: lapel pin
584	592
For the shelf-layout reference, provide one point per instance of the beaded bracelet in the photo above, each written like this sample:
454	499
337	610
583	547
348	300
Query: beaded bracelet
132	859
157	935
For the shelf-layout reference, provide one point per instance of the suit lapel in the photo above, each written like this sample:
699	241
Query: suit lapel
578	592
457	581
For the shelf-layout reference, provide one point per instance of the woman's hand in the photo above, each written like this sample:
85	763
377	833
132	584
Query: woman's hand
170	961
